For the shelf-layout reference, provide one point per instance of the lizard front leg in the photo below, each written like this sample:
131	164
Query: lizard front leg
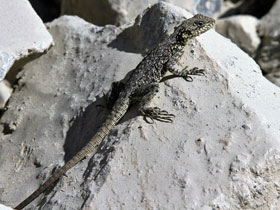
185	72
152	113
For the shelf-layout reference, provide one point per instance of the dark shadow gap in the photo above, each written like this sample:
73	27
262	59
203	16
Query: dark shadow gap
251	7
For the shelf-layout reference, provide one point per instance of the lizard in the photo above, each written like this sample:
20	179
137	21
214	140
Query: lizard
141	86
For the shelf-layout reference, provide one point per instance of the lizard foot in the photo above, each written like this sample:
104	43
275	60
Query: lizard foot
154	113
194	71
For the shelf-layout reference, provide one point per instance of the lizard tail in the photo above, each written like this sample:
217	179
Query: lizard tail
116	114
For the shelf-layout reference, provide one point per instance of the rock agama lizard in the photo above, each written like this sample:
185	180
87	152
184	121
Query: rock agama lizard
141	86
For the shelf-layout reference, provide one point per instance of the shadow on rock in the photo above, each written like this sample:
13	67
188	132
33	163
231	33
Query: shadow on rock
84	127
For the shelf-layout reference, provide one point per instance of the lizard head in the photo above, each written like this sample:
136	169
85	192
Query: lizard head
193	27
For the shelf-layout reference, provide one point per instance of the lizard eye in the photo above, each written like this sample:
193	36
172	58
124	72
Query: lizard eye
199	24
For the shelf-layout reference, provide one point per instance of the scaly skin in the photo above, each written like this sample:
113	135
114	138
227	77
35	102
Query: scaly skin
142	85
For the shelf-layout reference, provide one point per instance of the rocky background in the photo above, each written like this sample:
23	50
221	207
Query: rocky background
59	57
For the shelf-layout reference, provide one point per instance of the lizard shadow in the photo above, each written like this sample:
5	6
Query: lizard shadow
81	132
87	124
83	127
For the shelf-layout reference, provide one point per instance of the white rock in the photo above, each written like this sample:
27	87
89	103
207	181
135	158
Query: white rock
3	207
222	151
5	92
22	34
242	30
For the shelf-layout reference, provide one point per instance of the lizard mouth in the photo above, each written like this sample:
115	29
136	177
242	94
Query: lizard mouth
204	29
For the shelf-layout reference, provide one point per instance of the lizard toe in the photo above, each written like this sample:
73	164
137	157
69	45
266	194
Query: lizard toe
155	113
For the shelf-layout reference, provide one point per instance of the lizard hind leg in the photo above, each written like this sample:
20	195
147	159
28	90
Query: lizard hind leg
153	113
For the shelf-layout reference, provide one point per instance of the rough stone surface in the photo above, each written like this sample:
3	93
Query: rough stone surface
269	53
222	151
242	30
23	34
120	12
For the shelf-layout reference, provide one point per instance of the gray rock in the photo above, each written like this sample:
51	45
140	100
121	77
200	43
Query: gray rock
269	53
221	152
23	35
142	36
208	7
242	30
120	12
274	77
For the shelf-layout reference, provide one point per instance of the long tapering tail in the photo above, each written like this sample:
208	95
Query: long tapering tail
117	113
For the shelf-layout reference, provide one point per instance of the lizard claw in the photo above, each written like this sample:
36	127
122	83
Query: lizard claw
197	71
188	78
154	113
194	71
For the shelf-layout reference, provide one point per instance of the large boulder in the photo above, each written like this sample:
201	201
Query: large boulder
221	152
